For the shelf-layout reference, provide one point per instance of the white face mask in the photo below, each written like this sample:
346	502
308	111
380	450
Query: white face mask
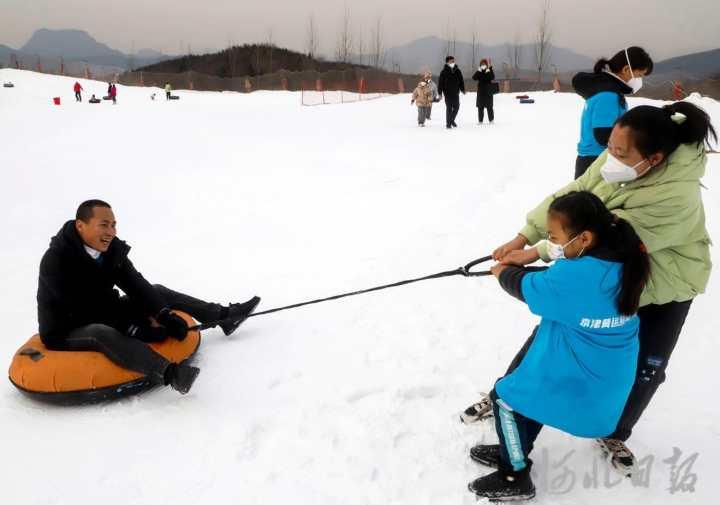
635	82
451	65
557	251
614	170
483	67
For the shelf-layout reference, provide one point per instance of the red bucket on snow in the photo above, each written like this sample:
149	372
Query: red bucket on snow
56	100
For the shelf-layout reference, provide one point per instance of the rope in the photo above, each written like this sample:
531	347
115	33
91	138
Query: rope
464	271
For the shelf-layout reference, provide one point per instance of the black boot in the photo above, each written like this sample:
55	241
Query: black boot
181	376
504	486
488	455
236	313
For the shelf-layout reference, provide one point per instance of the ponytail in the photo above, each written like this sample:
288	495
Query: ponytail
663	130
696	127
583	211
601	65
639	60
636	266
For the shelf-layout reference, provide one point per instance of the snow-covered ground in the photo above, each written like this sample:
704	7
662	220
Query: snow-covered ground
226	195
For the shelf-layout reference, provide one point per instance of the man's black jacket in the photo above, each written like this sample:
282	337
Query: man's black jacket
75	290
451	81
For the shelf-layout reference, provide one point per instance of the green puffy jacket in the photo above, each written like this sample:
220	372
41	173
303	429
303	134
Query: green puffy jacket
666	210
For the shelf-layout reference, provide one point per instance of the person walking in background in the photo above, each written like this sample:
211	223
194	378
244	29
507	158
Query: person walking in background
604	91
422	97
433	88
485	76
168	91
113	93
450	84
78	91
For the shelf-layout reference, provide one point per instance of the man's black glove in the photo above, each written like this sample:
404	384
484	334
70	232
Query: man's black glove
175	325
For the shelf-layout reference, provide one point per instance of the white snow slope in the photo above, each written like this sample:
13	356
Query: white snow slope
226	195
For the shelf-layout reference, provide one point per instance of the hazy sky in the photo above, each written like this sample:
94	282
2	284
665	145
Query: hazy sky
593	27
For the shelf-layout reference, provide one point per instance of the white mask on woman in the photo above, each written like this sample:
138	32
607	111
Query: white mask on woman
451	65
614	170
635	82
483	67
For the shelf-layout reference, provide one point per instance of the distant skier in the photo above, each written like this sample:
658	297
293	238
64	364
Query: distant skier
604	92
450	83
422	97
434	89
579	369
485	75
113	93
79	309
78	91
168	91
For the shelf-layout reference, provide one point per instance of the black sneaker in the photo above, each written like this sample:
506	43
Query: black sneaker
449	127
621	458
488	455
504	486
237	313
478	411
454	124
181	377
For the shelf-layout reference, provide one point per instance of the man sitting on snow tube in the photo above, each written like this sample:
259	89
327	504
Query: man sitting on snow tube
94	100
79	308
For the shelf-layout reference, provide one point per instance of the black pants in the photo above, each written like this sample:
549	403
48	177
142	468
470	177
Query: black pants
128	352
167	95
78	97
485	102
582	163
452	107
517	435
660	327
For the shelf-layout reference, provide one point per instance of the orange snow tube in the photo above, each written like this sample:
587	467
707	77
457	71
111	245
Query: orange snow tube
76	377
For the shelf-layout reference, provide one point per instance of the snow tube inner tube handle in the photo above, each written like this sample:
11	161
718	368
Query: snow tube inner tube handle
467	269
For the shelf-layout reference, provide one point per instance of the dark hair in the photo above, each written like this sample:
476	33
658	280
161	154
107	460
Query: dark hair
584	211
448	58
654	130
85	210
485	61
639	60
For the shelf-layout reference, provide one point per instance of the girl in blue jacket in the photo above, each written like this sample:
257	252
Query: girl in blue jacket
578	370
604	92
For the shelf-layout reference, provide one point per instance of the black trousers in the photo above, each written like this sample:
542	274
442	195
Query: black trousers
517	435
167	95
582	163
452	107
660	328
485	102
78	97
128	352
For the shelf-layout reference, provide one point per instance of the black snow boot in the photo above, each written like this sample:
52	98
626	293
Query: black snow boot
504	486
181	376
236	313
488	455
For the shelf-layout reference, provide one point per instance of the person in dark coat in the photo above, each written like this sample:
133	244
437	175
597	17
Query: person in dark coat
79	308
450	83
484	76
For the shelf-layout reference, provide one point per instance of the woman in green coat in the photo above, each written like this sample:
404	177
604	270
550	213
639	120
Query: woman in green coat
649	176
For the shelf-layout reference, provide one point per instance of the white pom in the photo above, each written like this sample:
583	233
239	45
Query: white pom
678	118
